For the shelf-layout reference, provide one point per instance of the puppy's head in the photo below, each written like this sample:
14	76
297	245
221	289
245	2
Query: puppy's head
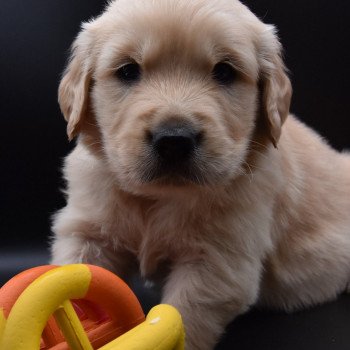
175	90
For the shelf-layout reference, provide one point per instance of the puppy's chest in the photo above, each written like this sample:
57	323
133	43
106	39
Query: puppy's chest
160	236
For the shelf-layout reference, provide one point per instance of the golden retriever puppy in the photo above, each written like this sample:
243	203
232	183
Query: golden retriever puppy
187	165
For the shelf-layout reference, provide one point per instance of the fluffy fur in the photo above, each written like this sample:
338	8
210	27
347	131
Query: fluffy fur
263	216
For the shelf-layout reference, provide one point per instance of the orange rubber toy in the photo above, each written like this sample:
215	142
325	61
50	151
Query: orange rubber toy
81	307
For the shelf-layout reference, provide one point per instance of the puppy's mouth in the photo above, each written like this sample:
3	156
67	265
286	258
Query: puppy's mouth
177	174
173	153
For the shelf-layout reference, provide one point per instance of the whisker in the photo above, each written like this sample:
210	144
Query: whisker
260	144
258	152
250	171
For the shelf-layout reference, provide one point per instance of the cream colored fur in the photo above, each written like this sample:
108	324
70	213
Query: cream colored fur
268	220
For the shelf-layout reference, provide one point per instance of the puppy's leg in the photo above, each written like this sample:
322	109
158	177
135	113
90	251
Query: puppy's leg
73	249
209	295
308	272
76	241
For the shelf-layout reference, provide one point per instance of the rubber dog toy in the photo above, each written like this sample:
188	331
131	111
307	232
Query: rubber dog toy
81	307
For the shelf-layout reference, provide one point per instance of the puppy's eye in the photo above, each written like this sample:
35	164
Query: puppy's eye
129	73
224	73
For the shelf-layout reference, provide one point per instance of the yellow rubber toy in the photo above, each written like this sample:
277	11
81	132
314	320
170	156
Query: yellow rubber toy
21	327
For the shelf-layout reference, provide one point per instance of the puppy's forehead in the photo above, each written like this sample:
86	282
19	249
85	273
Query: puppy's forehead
197	31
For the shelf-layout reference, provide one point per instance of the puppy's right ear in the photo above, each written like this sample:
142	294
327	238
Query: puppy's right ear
73	93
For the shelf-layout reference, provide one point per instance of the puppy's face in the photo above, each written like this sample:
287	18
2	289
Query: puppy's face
176	90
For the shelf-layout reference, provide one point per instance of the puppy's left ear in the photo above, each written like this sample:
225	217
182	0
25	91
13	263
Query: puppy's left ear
276	89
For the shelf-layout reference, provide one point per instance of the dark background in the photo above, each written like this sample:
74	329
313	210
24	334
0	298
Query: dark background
35	36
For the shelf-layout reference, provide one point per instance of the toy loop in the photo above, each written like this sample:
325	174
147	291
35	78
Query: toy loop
81	307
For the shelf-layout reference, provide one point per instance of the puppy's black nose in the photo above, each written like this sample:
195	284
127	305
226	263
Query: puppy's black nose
174	143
